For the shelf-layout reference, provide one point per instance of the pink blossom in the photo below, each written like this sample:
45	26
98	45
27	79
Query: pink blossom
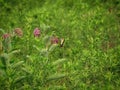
5	36
18	32
37	32
54	40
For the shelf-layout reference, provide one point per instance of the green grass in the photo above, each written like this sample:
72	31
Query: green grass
89	58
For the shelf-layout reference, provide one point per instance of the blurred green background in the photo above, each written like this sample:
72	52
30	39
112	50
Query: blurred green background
89	58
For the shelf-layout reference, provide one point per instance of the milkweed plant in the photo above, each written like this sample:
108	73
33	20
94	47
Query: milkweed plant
60	45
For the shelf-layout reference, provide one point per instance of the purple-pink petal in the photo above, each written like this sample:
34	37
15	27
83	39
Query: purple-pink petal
36	32
54	40
5	36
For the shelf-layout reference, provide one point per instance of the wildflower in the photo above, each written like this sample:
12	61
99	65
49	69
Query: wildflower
18	32
36	32
54	40
5	36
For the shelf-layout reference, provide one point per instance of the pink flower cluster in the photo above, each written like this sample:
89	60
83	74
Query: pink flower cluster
18	32
6	35
36	32
54	40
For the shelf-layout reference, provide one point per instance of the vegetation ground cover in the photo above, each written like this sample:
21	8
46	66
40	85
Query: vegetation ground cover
59	45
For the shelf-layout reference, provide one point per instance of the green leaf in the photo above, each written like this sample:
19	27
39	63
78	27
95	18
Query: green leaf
52	47
1	48
13	52
19	79
3	31
17	64
29	57
44	52
2	72
4	59
46	39
57	76
59	61
37	48
57	87
27	71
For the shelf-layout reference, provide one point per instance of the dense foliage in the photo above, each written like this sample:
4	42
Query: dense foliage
59	44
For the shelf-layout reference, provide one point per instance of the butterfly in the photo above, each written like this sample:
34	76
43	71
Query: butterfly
62	42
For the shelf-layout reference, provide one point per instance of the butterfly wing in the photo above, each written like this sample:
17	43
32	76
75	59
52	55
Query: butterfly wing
62	42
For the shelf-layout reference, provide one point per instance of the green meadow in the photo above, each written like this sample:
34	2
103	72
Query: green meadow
59	44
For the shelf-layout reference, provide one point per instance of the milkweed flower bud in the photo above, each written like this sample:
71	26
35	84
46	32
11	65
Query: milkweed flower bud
54	40
6	35
36	32
18	32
